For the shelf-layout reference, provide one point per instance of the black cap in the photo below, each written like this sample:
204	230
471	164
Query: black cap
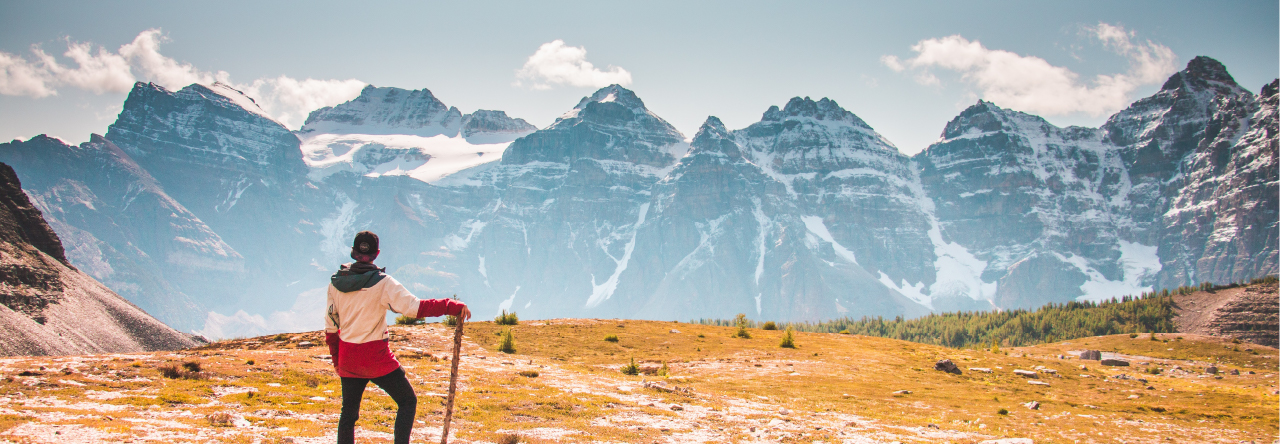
366	244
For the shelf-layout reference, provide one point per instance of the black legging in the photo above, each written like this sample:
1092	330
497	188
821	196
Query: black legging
396	384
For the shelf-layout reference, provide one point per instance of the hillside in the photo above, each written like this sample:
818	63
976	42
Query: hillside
563	385
48	307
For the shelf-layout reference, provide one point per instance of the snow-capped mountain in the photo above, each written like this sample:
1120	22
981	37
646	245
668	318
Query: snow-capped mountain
392	131
807	214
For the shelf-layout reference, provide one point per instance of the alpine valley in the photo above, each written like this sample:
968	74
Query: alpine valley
203	211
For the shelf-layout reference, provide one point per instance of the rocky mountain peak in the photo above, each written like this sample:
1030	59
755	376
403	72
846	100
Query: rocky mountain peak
614	94
488	121
986	117
387	110
612	124
1203	73
1269	90
824	110
713	137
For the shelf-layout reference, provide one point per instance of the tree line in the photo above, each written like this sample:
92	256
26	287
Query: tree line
1149	312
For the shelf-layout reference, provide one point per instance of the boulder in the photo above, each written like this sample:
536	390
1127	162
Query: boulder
947	366
980	369
1235	372
1212	370
1115	362
1026	373
1033	405
1092	355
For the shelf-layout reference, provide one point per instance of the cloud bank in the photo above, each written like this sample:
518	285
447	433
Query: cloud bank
1031	84
286	99
558	64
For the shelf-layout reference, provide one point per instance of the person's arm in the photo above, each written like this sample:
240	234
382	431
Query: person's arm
331	326
402	301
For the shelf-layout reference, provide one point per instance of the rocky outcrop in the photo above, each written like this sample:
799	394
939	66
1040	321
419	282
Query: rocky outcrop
485	122
48	307
1248	313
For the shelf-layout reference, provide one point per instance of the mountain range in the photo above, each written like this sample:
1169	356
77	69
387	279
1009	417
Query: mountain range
205	212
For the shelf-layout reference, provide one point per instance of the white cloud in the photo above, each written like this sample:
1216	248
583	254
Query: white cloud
558	64
286	99
99	73
1032	84
18	77
144	53
892	62
289	100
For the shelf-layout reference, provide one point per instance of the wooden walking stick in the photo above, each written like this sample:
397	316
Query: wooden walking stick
453	381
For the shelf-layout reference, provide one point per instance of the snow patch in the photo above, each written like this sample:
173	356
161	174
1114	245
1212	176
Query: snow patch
336	229
454	242
819	228
1138	261
764	223
505	305
428	159
601	292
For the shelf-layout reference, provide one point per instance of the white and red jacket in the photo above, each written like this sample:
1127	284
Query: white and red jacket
356	320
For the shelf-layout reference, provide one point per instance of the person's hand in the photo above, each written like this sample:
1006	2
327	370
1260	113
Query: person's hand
465	314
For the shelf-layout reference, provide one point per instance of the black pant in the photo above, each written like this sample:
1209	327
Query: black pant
396	384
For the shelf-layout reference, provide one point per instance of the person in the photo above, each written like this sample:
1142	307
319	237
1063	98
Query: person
356	332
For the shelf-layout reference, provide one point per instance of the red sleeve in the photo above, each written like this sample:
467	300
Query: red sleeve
428	308
331	339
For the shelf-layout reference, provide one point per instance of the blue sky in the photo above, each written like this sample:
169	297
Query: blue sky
906	68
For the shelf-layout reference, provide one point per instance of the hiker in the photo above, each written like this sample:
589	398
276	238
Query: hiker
356	331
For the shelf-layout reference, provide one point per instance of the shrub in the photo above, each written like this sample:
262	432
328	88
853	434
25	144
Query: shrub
1133	335
529	374
188	370
249	362
631	369
741	321
510	438
450	320
508	344
844	332
1003	411
407	320
664	371
611	338
769	326
788	339
170	371
506	319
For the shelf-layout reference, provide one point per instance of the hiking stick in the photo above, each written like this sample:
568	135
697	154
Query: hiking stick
453	382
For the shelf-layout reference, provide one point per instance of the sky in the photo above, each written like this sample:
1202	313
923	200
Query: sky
906	68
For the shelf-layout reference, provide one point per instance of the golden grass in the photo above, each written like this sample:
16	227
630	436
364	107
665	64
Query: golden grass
720	388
